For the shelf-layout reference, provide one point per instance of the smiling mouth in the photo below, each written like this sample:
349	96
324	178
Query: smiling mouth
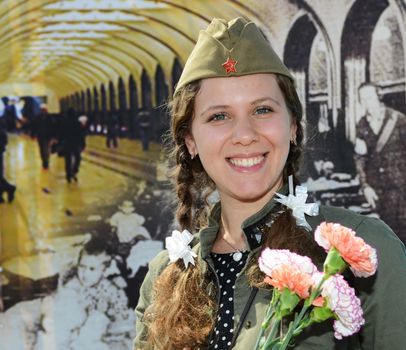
247	162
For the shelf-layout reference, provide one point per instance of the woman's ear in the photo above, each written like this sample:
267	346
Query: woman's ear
293	130
191	145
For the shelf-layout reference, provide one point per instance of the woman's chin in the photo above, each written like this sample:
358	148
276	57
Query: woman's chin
252	195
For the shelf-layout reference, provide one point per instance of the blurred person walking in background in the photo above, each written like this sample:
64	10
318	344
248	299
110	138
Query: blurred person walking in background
144	123
72	142
43	128
112	132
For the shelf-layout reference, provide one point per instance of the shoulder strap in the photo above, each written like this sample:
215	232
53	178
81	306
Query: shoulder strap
243	315
386	132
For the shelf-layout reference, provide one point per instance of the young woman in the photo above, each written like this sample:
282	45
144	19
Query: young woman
236	127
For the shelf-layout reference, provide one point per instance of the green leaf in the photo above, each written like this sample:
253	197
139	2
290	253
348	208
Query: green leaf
334	262
288	302
320	314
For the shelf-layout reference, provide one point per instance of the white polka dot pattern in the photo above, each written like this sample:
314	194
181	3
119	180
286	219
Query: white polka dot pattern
227	270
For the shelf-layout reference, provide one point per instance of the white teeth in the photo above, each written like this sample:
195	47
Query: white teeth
246	162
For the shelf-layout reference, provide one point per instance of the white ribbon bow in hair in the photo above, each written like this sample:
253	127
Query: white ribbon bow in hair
299	206
178	247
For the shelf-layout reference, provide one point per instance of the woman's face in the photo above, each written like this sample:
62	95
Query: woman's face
241	130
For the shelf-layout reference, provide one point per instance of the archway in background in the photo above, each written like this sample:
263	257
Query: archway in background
77	102
112	98
161	97
103	109
88	110
133	111
355	56
122	108
112	112
297	53
82	102
97	119
386	57
146	99
305	55
176	72
62	103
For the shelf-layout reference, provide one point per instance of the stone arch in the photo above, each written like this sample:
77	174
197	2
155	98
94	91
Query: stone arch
146	93
88	108
176	73
386	58
122	106
297	53
112	97
146	99
77	102
103	109
161	97
133	102
356	47
96	110
309	56
82	102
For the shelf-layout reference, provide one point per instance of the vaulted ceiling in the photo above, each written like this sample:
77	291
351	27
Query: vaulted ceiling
71	45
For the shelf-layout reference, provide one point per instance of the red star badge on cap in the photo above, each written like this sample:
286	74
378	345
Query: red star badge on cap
229	65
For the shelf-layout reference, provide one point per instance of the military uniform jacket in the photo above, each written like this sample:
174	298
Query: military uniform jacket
383	295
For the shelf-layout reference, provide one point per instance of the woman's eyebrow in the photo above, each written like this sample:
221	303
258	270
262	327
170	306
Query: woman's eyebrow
214	107
264	99
259	100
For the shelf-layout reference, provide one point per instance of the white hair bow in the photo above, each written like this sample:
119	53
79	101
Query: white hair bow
178	247
298	204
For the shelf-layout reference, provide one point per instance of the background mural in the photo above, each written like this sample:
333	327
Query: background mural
73	253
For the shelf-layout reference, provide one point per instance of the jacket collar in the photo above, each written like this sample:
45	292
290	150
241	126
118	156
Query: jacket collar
250	226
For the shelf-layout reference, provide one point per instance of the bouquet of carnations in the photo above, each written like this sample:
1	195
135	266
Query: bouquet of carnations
311	296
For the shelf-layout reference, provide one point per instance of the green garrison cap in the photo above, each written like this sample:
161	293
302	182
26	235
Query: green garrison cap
230	49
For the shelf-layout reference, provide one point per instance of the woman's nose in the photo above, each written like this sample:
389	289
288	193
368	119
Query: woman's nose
244	132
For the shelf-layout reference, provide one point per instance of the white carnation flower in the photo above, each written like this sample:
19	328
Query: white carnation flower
341	299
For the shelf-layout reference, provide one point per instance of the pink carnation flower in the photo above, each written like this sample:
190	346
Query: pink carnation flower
285	269
272	258
289	276
359	255
341	299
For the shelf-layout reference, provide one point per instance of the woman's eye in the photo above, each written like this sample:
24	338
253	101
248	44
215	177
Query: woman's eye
218	117
263	110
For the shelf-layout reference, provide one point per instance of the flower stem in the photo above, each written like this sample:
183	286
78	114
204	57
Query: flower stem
270	339
268	314
294	326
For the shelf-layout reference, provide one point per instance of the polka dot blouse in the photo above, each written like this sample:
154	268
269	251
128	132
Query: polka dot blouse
227	271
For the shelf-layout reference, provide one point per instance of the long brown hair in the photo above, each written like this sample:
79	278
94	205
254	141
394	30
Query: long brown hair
183	312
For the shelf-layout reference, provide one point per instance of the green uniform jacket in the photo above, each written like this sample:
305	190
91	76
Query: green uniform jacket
383	296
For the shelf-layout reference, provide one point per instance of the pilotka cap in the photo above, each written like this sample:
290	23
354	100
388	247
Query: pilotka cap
232	48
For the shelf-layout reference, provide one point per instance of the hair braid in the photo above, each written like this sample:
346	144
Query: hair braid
192	184
185	180
183	311
296	111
